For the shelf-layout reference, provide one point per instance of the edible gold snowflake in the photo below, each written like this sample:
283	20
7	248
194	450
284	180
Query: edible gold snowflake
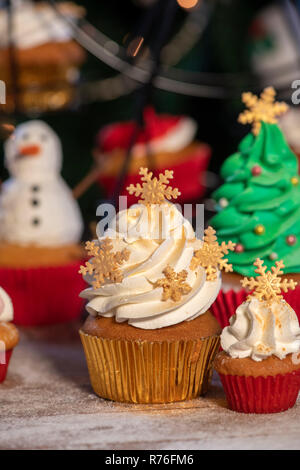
104	264
260	109
174	284
268	285
211	255
154	190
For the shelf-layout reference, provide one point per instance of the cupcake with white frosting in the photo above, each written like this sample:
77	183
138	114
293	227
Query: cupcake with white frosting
150	337
47	58
9	336
40	229
166	141
260	363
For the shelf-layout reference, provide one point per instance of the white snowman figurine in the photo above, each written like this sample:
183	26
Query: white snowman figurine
36	205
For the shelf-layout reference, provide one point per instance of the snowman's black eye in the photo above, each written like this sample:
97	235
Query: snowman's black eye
25	136
43	137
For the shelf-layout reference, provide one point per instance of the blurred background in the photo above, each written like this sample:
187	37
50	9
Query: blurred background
178	57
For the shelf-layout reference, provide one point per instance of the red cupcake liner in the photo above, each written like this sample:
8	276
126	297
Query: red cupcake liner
4	367
46	295
226	303
188	177
271	394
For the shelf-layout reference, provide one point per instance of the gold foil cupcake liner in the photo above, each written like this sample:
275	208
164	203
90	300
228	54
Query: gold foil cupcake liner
149	372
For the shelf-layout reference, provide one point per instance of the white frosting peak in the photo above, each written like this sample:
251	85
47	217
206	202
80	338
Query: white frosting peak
259	330
141	230
6	306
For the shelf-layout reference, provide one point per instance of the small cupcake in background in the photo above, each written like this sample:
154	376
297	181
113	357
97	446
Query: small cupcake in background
47	59
9	335
258	206
150	336
40	229
165	141
260	363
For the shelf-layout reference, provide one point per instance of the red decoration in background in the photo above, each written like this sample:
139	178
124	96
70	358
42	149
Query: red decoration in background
118	135
188	168
256	170
44	296
188	176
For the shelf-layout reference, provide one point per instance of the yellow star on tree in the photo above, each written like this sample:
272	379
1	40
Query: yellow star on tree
210	256
260	109
268	286
105	264
154	190
173	284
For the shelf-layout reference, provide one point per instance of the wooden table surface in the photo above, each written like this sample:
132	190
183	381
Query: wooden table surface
46	402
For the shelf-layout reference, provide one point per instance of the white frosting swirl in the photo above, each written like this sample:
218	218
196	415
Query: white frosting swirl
6	306
141	231
259	330
33	26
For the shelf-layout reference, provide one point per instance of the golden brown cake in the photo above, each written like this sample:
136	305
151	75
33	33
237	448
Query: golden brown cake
272	365
129	364
107	328
18	256
9	335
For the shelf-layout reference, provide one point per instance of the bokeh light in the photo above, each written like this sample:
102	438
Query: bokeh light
187	4
135	46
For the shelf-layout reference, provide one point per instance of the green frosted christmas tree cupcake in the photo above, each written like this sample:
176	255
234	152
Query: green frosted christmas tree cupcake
258	206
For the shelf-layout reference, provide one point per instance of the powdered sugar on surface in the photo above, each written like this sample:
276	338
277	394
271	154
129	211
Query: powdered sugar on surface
47	403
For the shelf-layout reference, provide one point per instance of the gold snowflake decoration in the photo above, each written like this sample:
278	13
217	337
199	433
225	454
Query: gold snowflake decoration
210	256
268	285
260	109
154	190
173	284
105	264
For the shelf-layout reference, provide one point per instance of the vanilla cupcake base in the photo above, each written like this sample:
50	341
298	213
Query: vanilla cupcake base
9	338
136	371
